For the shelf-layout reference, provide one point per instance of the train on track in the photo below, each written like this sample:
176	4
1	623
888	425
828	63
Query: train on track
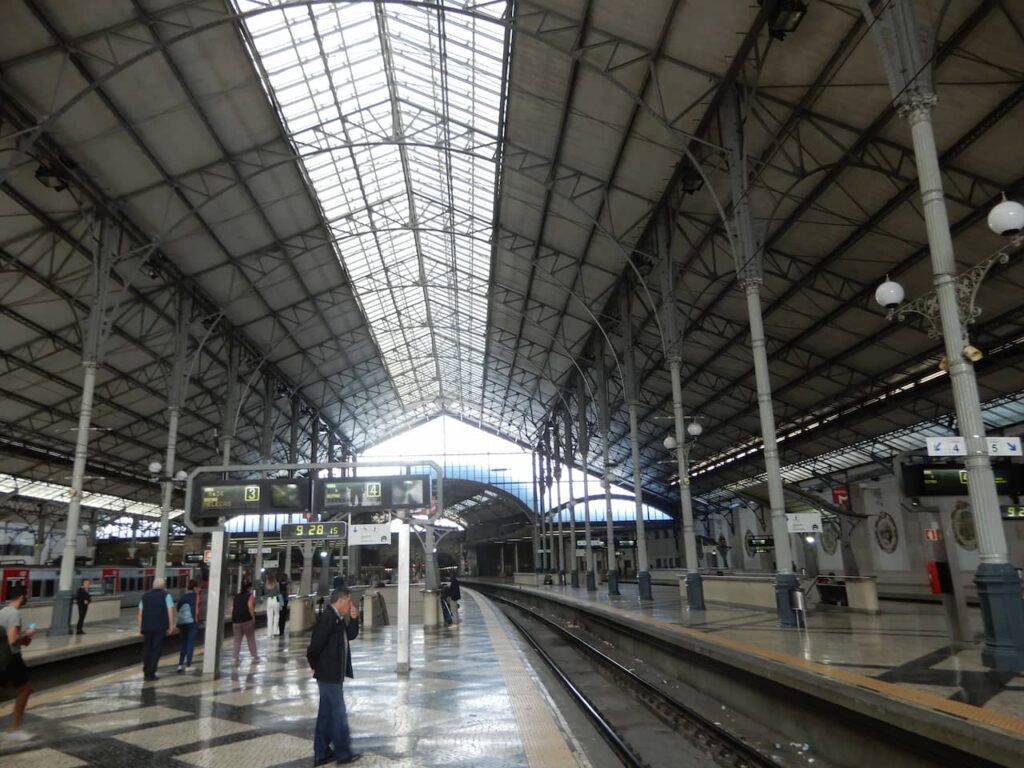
125	581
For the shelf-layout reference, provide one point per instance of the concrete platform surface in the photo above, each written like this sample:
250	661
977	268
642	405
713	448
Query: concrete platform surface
907	644
471	700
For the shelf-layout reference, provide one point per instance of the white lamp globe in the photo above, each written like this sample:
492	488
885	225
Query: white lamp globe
181	475
889	294
669	442
155	467
1007	218
695	429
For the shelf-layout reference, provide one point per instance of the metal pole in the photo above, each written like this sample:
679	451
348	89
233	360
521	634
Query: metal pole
538	518
403	599
556	455
568	455
603	413
643	577
694	582
910	76
548	478
581	397
748	273
60	622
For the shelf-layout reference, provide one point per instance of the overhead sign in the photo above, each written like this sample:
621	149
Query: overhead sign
1004	446
803	522
947	480
256	550
759	545
841	495
957	446
195	558
370	535
334	530
946	446
228	498
373	493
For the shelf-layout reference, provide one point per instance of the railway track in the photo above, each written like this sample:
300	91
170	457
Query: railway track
665	731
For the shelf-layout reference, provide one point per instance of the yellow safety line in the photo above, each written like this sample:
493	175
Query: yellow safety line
1014	725
543	742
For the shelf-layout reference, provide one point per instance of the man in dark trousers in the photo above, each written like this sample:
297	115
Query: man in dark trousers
328	655
156	621
83	598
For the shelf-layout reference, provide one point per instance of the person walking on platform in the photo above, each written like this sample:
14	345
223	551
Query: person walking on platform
329	657
156	621
15	672
282	583
272	595
188	623
455	594
243	621
83	598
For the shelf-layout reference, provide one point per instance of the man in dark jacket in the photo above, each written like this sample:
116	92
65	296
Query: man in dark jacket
83	598
328	655
156	620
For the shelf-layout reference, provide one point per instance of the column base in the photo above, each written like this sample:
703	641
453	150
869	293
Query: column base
575	579
643	583
613	583
591	582
785	584
1002	611
695	591
60	621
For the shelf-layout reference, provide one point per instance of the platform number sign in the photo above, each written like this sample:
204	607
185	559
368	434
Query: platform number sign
252	493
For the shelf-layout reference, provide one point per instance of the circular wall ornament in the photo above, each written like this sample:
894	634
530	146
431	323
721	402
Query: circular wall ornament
886	533
830	537
963	526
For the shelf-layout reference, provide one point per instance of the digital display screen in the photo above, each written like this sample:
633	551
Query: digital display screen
373	493
313	531
949	480
288	496
358	494
1013	512
230	497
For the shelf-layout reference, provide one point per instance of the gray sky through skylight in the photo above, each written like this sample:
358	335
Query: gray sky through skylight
395	110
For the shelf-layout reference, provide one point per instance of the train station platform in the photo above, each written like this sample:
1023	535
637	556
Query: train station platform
906	645
471	700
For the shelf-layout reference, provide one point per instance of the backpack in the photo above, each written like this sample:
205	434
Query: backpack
185	613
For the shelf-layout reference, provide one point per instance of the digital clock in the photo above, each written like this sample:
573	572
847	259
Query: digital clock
313	531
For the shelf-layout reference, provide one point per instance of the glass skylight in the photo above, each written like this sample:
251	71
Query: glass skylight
44	491
395	109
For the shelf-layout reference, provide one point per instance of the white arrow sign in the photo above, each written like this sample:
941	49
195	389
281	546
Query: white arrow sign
1004	446
946	446
956	446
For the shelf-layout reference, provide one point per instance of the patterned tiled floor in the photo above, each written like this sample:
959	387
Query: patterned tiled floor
459	707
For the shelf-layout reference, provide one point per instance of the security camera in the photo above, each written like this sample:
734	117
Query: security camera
1007	218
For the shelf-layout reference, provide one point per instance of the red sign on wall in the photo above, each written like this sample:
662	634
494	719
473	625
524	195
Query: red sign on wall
841	496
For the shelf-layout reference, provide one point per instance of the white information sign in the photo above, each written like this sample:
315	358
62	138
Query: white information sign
1004	446
955	446
256	550
946	446
803	522
369	535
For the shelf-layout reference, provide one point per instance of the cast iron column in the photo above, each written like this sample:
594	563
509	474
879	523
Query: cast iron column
606	473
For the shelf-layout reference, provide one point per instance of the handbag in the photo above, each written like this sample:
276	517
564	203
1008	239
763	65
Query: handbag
185	614
5	652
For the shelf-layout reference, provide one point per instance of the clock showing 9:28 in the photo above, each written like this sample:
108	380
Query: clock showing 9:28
313	531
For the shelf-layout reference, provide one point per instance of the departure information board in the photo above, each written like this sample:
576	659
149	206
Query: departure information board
951	480
334	530
373	493
225	498
1012	512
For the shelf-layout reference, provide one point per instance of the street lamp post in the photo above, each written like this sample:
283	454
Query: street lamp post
910	76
